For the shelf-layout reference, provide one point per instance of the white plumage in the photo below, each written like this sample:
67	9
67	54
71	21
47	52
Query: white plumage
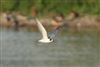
44	33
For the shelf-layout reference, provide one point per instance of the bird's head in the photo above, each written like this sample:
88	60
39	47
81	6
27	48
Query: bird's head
50	38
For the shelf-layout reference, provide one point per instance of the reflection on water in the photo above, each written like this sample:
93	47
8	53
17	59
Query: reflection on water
70	49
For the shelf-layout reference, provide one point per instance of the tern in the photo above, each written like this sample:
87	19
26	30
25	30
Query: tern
45	37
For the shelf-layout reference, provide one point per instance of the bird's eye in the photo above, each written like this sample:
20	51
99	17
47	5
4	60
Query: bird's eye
50	39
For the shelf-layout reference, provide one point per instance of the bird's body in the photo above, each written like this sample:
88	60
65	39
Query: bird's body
45	40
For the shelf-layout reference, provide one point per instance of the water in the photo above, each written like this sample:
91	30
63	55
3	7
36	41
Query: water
70	49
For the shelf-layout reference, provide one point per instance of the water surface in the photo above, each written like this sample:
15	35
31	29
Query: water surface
70	49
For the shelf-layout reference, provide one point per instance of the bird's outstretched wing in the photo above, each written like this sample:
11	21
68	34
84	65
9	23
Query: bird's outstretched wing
53	34
56	31
42	29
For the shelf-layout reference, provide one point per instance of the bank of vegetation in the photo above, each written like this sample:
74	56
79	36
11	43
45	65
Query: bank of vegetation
46	6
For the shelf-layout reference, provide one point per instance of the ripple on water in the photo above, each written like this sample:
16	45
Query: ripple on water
21	49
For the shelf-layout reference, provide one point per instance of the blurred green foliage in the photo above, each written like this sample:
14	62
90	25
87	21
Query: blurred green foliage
46	6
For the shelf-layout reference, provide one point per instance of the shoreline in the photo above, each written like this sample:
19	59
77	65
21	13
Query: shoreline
81	22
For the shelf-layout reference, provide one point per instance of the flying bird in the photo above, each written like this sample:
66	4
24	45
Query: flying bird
45	37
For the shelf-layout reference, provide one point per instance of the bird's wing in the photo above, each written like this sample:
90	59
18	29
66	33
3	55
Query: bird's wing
54	33
42	29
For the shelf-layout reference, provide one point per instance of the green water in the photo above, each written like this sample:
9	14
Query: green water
70	49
